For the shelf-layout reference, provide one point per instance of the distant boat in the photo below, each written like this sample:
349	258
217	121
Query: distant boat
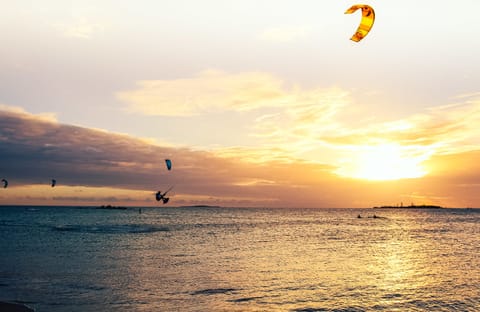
111	207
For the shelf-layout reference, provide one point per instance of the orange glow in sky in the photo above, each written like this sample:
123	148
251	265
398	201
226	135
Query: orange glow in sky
383	162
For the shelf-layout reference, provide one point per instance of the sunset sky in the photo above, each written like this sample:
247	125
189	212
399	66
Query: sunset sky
258	103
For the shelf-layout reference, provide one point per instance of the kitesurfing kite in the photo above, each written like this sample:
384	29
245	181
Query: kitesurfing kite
161	197
368	17
54	182
5	183
168	162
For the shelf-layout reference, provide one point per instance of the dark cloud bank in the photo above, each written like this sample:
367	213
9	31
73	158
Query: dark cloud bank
34	150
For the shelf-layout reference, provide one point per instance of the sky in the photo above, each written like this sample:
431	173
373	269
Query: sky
257	103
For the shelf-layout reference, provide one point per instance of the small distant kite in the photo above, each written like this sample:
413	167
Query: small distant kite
168	162
368	17
54	182
5	183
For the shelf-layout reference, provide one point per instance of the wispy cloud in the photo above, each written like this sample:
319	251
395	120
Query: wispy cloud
47	116
207	92
313	124
80	27
447	129
315	129
213	91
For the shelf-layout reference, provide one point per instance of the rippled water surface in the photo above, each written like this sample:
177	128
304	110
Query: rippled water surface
218	259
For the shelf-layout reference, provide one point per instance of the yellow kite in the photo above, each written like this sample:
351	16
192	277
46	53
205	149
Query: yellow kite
368	17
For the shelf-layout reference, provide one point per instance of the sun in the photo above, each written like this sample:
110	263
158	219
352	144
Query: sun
388	161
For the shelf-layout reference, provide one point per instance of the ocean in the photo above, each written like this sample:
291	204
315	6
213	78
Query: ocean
235	259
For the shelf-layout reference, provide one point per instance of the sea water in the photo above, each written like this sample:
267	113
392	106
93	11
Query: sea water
233	259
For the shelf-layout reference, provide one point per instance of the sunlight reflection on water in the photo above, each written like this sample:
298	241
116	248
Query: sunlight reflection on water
245	260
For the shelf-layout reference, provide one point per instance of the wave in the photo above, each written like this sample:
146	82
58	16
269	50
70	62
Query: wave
424	305
111	228
214	291
347	309
244	299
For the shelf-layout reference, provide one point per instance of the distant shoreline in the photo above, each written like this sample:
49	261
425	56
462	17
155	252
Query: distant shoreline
412	207
200	206
111	207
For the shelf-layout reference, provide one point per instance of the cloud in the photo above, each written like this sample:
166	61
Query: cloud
214	91
303	121
93	166
447	129
305	143
283	34
309	114
80	28
285	118
316	129
49	117
32	151
316	124
209	91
